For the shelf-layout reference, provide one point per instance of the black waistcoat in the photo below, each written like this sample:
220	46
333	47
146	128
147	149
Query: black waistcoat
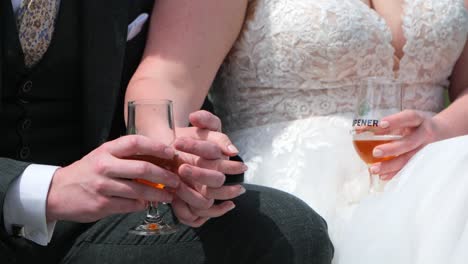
40	115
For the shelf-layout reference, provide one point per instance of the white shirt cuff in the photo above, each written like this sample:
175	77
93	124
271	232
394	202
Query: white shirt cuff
25	204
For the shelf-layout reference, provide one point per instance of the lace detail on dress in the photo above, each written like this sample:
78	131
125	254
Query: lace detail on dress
436	32
302	58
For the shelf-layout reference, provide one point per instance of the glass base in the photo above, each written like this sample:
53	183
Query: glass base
152	229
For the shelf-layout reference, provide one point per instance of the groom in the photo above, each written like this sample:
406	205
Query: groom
61	98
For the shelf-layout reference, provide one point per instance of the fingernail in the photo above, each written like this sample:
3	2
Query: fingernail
233	149
242	190
188	171
174	181
232	206
384	124
169	151
377	153
245	167
375	169
180	142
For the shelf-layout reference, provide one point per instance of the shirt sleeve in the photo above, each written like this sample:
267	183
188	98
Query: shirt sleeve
25	204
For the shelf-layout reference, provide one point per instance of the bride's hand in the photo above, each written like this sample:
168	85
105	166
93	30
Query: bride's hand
204	154
418	129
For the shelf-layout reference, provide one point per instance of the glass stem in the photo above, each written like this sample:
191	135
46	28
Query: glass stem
152	213
375	183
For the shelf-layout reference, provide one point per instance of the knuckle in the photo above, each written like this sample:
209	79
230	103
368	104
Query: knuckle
222	137
206	204
159	147
133	142
100	185
102	166
192	144
187	144
142	169
219	180
104	147
101	204
233	192
218	166
229	167
203	163
414	114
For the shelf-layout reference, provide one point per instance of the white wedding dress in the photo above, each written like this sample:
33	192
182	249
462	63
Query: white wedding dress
287	91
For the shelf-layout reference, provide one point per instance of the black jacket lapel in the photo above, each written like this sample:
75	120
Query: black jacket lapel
104	41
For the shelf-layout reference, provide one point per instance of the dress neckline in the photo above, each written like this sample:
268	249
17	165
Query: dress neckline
397	62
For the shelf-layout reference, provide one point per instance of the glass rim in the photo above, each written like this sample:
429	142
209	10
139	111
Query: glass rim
150	102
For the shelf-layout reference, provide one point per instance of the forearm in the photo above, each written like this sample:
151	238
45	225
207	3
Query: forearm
181	90
187	43
453	121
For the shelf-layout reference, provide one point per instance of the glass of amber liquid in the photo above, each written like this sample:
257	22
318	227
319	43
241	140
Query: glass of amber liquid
376	98
154	119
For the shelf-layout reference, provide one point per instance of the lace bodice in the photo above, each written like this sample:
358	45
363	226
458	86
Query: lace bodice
302	58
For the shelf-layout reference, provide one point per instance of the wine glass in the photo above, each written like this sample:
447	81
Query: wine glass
376	98
154	119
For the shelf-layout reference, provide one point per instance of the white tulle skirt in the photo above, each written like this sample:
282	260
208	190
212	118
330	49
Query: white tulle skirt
313	159
419	218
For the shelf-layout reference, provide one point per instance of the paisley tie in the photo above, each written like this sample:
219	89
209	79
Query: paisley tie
36	22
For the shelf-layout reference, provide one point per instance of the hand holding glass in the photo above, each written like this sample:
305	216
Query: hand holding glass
154	119
377	98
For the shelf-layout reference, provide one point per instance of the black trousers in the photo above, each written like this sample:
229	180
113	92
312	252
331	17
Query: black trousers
267	226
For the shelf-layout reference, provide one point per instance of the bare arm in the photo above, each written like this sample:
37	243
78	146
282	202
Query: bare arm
453	119
187	43
425	129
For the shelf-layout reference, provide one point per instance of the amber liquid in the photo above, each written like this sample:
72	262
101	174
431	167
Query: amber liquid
365	145
167	164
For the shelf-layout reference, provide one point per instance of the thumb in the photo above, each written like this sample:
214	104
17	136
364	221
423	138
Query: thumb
206	120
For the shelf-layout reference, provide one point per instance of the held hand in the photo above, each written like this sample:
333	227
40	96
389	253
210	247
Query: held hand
207	126
101	183
418	129
188	211
205	151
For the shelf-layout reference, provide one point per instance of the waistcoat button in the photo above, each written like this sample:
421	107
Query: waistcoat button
24	153
27	86
26	124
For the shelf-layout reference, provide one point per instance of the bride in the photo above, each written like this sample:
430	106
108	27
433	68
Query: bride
286	92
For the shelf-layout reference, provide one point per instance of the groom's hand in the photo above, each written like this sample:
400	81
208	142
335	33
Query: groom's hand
205	152
101	183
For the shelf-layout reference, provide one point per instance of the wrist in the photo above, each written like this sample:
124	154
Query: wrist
441	128
53	201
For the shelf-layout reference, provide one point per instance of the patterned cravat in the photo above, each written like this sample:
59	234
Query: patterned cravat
35	20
